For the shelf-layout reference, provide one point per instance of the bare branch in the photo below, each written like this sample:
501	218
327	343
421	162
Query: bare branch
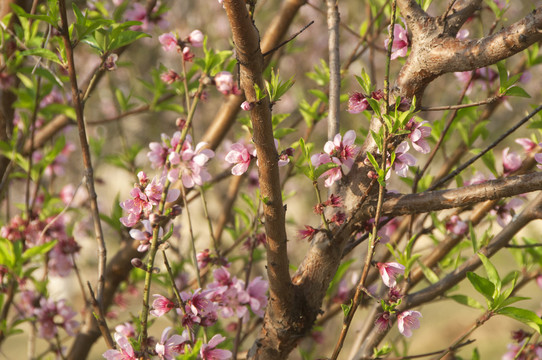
460	12
429	201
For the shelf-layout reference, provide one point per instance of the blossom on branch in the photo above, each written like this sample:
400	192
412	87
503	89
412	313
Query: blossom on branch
241	156
169	347
124	351
210	352
340	151
399	47
403	160
408	321
389	272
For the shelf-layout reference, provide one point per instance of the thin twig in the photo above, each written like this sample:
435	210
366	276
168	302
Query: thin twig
462	106
333	20
100	319
78	105
491	146
287	41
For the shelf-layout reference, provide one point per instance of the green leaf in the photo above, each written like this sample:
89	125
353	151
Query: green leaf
346	308
428	273
489	161
38	250
323	168
517	91
503	73
322	96
21	13
125	37
7	256
43	53
343	267
466	300
525	316
491	272
280	133
482	285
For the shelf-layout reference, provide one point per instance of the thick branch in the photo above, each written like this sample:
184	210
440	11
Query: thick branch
281	302
436	51
414	15
429	201
461	11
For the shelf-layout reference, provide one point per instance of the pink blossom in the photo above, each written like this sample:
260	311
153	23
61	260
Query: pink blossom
210	352
258	300
506	213
75	197
386	231
462	34
408	321
399	46
196	38
161	305
169	41
389	272
357	103
138	13
188	55
308	233
456	226
225	84
527	144
511	161
190	164
477	178
125	350
340	151
169	347
247	106
484	76
169	77
144	237
110	63
127	329
241	156
403	160
50	315
383	321
538	159
418	135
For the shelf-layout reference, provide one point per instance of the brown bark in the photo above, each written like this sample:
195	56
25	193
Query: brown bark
436	51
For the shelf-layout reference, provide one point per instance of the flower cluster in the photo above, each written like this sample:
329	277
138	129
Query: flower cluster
226	295
407	320
226	85
357	102
171	41
145	195
340	151
519	350
51	315
190	163
38	232
138	12
241	155
234	298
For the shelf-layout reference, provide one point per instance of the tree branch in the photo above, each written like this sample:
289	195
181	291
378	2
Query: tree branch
429	201
281	302
436	51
